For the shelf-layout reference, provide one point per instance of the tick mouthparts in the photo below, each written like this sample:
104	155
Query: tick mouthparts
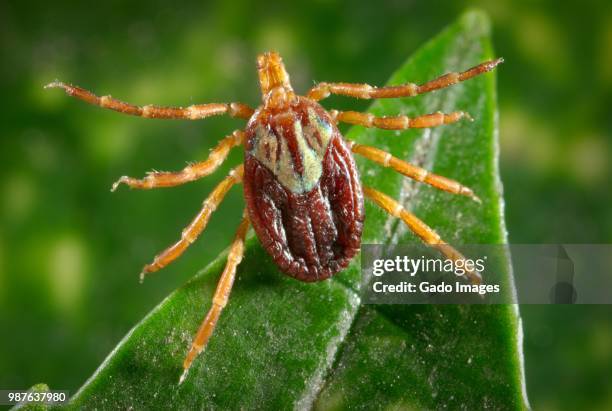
272	72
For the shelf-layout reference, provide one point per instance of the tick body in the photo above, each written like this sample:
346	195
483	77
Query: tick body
302	190
303	195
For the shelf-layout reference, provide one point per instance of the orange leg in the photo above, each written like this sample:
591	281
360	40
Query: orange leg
195	228
191	172
323	90
193	112
224	287
419	174
398	122
425	233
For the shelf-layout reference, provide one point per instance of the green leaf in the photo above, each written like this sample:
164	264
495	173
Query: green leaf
285	344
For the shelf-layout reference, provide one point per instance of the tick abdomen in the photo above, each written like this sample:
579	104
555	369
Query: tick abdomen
302	190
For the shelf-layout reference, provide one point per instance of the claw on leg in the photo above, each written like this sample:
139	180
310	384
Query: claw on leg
122	180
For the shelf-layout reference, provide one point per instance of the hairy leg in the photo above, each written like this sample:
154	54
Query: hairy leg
193	112
365	91
397	122
417	173
220	298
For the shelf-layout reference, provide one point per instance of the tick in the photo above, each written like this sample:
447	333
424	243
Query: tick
304	198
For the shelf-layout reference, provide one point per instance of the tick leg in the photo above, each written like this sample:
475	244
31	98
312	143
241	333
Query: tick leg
323	90
197	225
417	173
193	112
191	172
397	122
425	233
220	298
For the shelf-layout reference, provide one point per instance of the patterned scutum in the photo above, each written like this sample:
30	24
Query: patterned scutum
302	190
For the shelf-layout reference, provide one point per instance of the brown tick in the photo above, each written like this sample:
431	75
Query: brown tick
302	189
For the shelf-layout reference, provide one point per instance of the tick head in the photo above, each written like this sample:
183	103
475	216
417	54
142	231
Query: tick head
276	89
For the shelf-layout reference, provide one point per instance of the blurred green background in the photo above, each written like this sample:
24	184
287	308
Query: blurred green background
70	251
